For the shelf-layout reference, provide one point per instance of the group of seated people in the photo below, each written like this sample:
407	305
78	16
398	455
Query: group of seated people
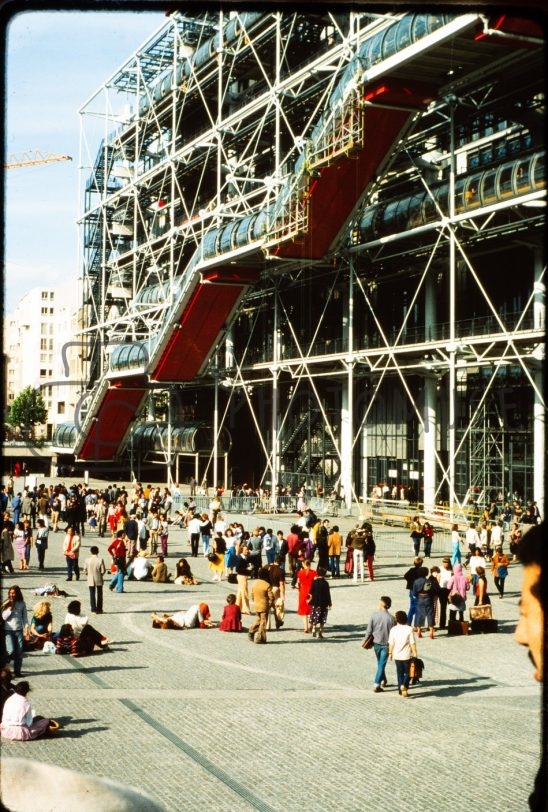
76	636
141	568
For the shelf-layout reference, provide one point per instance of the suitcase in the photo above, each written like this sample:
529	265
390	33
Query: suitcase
457	627
484	626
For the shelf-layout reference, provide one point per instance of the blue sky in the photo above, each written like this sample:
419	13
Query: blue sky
55	61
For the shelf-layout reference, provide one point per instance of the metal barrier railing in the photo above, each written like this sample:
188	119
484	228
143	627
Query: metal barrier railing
391	513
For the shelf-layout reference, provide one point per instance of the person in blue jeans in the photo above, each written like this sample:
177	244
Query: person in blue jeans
379	626
414	572
16	625
401	648
117	549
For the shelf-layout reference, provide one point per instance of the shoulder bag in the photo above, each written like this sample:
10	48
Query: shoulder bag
368	642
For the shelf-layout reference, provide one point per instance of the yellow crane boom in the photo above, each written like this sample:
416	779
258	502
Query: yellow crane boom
34	158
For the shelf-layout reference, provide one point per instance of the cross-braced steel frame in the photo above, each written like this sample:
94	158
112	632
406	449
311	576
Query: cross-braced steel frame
372	185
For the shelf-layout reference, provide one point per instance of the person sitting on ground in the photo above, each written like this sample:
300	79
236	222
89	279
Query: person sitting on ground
177	519
40	626
197	616
160	574
66	641
88	636
231	621
140	569
18	720
183	573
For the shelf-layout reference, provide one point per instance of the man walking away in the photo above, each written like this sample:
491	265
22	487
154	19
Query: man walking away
379	626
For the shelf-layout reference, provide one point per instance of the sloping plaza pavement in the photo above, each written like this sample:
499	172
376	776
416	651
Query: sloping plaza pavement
203	720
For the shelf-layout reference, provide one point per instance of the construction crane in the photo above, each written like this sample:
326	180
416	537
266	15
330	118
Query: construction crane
34	158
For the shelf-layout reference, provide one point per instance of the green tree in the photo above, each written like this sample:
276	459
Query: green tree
27	411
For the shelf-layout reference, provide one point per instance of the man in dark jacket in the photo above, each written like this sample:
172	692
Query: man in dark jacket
414	572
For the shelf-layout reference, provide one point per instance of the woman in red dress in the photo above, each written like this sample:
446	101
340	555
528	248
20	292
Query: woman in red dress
305	576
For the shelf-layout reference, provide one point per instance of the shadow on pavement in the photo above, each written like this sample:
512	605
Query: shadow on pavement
451	687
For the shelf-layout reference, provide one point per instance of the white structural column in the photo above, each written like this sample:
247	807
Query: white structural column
430	429
451	347
216	429
429	442
364	461
347	400
275	408
539	407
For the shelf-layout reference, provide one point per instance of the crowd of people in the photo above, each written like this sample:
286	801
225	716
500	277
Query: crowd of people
261	563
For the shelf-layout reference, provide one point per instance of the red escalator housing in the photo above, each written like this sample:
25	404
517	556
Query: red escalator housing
334	195
201	323
118	408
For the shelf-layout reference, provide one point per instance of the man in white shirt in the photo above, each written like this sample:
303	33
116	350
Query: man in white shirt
496	534
401	647
140	568
472	538
193	528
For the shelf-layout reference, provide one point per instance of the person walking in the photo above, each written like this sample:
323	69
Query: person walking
401	647
456	542
428	536
416	535
320	601
205	529
480	590
380	624
243	573
358	545
71	550
369	552
194	530
499	567
131	530
414	572
276	575
445	575
425	590
305	577
322	544
41	542
261	593
117	550
334	542
94	568
458	586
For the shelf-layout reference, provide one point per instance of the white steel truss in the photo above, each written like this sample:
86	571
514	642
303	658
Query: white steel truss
385	331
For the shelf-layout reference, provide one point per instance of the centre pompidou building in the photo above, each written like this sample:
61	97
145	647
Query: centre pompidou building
312	250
